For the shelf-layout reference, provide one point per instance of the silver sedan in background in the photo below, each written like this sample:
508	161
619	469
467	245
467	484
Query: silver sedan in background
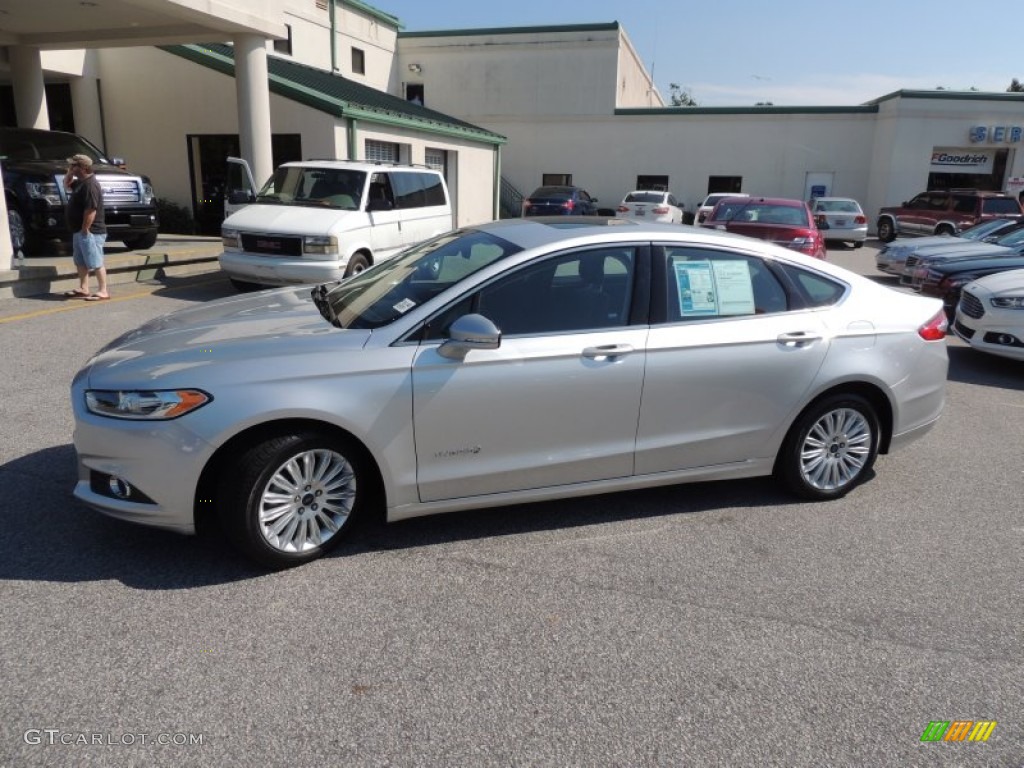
841	220
515	361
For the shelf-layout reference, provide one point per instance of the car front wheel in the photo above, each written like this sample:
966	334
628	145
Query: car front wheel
886	231
356	264
830	448
290	499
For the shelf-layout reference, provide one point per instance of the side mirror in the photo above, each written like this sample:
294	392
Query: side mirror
240	197
467	333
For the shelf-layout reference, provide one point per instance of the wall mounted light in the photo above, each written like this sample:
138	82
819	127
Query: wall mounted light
415	68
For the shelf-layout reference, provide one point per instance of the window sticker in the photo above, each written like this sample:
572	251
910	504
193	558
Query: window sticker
711	288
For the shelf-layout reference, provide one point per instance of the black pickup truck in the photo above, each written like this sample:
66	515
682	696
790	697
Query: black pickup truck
34	162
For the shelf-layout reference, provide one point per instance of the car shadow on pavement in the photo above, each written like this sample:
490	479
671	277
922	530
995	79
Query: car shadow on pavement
51	536
969	366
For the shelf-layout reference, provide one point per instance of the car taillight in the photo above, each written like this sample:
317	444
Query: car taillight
935	329
623	209
568	205
660	210
860	220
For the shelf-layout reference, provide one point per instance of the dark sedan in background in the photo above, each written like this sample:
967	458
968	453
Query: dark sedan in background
560	201
945	280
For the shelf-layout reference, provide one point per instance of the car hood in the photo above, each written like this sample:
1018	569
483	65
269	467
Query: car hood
1011	281
287	219
959	247
259	330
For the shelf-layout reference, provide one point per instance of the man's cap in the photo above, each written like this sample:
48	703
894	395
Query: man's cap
83	160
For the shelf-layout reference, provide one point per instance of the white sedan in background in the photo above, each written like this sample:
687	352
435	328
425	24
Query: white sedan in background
651	205
990	315
841	220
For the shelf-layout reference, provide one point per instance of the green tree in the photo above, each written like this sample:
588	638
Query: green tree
681	97
1016	86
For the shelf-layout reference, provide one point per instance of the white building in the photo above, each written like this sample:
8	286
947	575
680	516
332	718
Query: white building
157	83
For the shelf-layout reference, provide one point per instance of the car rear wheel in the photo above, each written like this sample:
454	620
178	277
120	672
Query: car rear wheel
356	264
886	231
290	499
830	448
944	229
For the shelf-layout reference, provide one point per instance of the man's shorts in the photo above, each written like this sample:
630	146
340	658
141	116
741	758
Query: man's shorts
87	250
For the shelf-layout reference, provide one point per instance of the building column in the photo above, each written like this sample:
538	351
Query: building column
252	84
29	93
6	249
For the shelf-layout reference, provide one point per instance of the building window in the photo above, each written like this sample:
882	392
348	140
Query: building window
556	180
381	151
436	159
284	45
358	62
725	184
414	93
658	183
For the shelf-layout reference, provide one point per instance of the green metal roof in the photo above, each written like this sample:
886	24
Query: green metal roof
601	27
337	95
951	95
752	110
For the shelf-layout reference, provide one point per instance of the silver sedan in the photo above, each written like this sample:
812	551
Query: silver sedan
515	361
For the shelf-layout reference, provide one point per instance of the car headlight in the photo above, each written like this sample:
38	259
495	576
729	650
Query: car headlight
1008	302
231	239
148	195
46	190
151	405
320	245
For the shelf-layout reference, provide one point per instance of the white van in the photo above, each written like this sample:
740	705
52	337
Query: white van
320	220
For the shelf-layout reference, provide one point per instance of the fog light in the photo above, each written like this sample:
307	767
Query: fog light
119	487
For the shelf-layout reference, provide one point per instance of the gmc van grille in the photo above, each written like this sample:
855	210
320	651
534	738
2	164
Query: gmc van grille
272	245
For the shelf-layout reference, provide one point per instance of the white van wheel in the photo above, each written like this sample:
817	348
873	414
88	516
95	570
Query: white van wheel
356	264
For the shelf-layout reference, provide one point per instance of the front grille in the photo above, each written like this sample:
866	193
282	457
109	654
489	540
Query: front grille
911	261
118	191
963	330
971	305
272	245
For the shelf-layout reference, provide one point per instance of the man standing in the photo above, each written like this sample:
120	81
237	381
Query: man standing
88	229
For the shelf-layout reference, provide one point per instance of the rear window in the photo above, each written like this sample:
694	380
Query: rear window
1002	206
551	192
645	197
760	213
837	206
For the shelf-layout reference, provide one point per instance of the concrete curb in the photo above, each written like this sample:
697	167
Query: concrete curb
170	256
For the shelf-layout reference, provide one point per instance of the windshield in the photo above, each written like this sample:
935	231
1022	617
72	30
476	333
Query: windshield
751	212
387	291
979	231
1013	238
45	145
320	187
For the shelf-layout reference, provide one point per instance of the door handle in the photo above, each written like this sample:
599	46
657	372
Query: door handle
607	351
798	338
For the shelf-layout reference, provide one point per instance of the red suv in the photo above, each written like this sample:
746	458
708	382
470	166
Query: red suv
945	212
778	220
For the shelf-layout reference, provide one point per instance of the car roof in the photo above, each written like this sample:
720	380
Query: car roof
768	200
542	231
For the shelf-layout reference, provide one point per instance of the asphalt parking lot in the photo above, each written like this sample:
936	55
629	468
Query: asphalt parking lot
715	624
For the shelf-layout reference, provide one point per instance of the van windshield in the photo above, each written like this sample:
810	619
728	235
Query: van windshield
317	187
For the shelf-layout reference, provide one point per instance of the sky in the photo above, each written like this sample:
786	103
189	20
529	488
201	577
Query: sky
787	52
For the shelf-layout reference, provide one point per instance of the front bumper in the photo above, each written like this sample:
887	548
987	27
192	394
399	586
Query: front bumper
272	270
